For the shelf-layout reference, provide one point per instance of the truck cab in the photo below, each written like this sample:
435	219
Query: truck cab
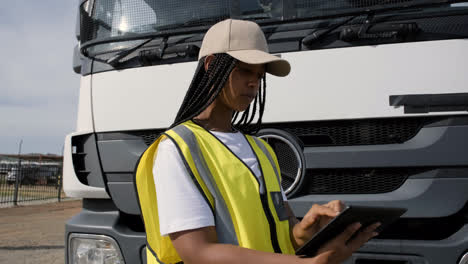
374	112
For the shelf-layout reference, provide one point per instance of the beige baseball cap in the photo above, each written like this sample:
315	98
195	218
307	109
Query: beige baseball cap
245	41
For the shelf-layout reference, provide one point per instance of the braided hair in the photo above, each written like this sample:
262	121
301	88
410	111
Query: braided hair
205	87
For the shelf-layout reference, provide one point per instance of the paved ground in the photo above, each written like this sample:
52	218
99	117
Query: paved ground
35	233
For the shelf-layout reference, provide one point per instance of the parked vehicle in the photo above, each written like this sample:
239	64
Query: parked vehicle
11	176
373	113
25	175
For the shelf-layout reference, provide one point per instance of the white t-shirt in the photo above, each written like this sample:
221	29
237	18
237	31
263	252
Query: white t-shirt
180	204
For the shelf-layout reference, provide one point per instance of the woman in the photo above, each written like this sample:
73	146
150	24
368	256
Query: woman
216	195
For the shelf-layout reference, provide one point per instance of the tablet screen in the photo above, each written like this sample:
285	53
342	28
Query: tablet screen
364	214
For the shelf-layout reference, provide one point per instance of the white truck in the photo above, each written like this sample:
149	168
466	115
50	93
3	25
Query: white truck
374	112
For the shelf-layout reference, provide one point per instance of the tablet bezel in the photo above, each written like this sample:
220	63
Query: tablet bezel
366	215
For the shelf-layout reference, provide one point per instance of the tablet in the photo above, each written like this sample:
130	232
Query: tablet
351	214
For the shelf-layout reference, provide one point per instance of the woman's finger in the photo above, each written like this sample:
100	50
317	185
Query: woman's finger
321	210
336	205
315	212
365	235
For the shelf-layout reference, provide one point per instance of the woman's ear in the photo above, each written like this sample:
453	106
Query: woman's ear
208	61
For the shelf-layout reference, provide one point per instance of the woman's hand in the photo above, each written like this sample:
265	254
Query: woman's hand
316	218
340	248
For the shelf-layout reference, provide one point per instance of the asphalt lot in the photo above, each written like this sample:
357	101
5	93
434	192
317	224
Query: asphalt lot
35	233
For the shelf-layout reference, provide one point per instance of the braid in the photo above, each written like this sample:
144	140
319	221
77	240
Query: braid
245	116
205	87
235	114
245	122
262	104
253	110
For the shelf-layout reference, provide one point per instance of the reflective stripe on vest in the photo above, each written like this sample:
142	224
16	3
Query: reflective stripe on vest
224	227
270	158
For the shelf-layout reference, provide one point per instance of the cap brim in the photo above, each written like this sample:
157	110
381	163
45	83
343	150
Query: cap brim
274	65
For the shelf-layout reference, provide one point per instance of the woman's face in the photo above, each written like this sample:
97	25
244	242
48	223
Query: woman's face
242	86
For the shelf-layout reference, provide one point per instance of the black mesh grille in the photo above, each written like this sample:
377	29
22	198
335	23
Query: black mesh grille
355	132
286	182
149	136
287	161
352	181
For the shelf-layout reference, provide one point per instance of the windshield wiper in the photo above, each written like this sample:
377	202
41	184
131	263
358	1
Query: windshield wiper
395	30
155	54
360	31
115	60
190	23
319	34
146	57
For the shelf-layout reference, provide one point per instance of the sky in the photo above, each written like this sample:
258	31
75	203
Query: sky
38	87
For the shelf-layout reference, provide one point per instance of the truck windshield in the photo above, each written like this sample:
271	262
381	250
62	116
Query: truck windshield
116	22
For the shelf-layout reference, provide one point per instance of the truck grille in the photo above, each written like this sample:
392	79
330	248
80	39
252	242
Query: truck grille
340	132
353	181
355	132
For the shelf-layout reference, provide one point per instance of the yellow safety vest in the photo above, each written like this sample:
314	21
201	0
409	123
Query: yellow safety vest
243	215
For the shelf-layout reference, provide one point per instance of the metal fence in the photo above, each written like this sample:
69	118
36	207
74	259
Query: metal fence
26	181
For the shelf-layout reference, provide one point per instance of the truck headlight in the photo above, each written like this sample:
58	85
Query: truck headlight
93	249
